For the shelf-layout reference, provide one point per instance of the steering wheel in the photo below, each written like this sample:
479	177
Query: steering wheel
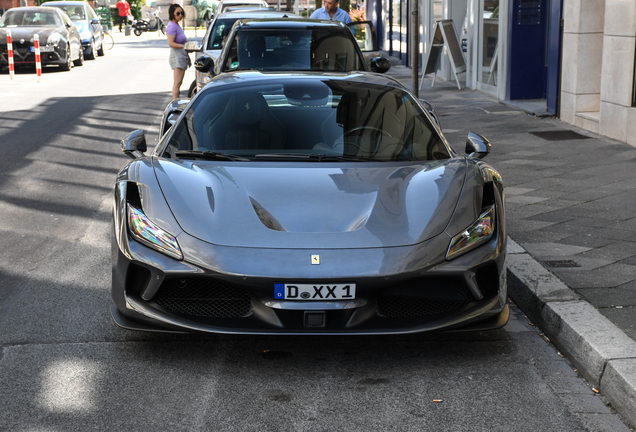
359	128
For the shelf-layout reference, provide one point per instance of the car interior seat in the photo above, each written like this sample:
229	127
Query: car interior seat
253	54
247	124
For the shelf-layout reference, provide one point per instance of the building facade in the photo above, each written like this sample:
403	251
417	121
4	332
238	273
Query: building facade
512	49
599	52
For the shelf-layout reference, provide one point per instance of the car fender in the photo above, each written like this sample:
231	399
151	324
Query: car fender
469	205
139	177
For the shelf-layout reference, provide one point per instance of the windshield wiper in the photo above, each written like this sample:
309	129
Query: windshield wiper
314	156
209	155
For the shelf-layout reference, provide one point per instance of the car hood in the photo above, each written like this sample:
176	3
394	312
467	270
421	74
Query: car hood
311	205
27	33
81	26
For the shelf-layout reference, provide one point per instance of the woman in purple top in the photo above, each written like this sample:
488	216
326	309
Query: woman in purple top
179	58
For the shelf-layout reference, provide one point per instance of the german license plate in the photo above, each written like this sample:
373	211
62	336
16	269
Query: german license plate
314	292
43	49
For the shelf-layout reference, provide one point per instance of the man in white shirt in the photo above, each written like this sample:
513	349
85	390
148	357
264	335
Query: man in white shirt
331	11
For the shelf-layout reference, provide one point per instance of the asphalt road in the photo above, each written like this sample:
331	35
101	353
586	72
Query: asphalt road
64	365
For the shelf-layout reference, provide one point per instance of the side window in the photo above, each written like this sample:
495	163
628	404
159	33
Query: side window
232	56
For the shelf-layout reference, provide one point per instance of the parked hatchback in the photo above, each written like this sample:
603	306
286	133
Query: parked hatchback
87	22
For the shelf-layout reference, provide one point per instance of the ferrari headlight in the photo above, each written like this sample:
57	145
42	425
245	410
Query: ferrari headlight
53	39
480	232
149	234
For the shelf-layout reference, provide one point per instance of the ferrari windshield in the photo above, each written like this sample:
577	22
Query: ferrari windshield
30	18
294	49
309	119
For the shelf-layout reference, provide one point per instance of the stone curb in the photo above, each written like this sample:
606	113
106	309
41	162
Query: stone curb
601	351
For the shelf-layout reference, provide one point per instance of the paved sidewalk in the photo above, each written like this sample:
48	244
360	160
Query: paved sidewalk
571	213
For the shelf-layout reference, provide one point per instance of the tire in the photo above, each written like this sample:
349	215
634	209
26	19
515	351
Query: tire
163	28
193	89
80	60
92	53
137	32
100	50
68	65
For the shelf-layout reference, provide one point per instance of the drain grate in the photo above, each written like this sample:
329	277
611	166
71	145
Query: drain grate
561	263
559	135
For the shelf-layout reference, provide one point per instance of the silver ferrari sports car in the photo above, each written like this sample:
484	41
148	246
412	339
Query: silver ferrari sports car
307	203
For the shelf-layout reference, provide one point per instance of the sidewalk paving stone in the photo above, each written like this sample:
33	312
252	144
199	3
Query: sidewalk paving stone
623	318
610	276
622	295
586	240
571	200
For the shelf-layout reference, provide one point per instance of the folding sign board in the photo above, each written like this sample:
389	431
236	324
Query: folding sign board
444	36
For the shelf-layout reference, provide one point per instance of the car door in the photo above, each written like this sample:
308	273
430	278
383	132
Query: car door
73	37
364	33
95	25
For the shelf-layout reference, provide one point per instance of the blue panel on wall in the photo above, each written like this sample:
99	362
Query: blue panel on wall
555	38
527	49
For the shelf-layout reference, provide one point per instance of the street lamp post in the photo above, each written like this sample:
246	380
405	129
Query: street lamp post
415	46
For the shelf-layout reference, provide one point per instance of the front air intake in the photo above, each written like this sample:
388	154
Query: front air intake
423	298
204	298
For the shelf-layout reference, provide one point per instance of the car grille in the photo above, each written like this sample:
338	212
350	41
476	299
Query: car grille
204	298
22	51
424	297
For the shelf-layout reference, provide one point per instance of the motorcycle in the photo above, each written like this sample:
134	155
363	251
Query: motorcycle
151	25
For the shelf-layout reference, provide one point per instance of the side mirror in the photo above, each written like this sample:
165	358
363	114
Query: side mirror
204	64
134	144
192	47
477	145
380	65
95	21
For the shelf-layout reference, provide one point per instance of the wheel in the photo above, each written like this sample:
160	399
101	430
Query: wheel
163	28
193	89
68	65
137	32
100	50
109	42
363	128
80	60
92	53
